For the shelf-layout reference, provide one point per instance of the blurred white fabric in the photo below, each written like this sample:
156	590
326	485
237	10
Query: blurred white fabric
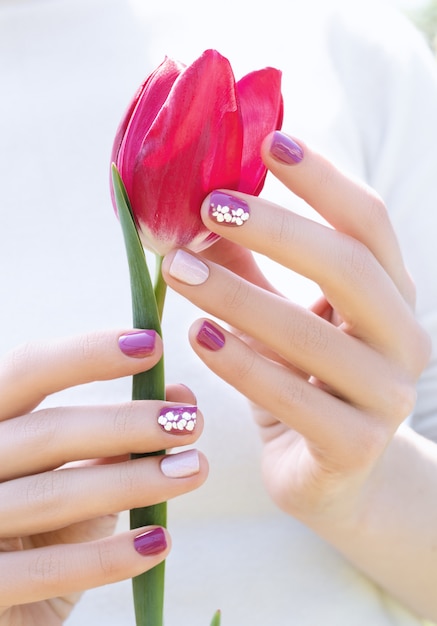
357	85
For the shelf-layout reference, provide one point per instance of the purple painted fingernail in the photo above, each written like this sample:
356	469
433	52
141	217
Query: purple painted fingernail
210	337
285	150
178	420
151	542
138	343
228	210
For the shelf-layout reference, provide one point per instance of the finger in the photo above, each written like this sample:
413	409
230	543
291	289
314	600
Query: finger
350	276
58	570
302	338
31	372
180	393
349	205
341	434
49	438
55	499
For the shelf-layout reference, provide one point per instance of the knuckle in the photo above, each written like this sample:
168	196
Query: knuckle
123	422
19	360
89	345
243	366
289	392
396	398
375	218
47	569
129	478
236	294
43	493
307	337
355	264
39	429
283	229
367	443
107	563
402	400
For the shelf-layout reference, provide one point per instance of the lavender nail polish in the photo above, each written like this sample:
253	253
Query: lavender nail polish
181	465
138	343
178	420
285	150
228	210
210	337
151	542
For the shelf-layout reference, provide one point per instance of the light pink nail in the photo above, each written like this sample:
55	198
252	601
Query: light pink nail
188	268
181	465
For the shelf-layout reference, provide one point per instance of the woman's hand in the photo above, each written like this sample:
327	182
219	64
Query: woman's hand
65	472
331	385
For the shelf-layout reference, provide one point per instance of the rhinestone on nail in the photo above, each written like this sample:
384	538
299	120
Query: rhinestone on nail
228	215
178	420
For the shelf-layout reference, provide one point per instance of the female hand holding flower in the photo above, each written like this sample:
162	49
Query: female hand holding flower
65	473
331	385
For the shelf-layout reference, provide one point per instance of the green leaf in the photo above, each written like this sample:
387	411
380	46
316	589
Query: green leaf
148	588
217	619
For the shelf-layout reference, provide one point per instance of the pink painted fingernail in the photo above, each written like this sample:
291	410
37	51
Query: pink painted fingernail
285	150
209	336
178	420
138	343
188	268
228	210
181	465
151	542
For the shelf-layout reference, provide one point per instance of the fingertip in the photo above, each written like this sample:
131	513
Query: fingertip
280	148
207	335
139	343
180	393
152	542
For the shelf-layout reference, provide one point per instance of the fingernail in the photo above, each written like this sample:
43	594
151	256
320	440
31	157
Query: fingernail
151	542
178	420
181	465
138	343
210	337
228	210
285	150
188	268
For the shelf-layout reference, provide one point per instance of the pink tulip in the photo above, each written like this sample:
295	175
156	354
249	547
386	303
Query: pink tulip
189	130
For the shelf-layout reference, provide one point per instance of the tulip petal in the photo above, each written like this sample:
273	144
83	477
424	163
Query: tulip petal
262	111
197	132
141	114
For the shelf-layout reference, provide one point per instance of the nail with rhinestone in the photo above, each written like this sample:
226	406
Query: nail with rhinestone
178	420
228	210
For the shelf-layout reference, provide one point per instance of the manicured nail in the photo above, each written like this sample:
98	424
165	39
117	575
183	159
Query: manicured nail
151	542
210	336
285	150
188	268
228	210
178	420
181	465
138	343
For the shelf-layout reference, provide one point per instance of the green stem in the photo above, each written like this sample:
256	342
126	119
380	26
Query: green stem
160	286
148	588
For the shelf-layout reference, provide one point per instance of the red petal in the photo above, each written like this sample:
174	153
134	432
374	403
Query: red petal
141	114
262	110
194	146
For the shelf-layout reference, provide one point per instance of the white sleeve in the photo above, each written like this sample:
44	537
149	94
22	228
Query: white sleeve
394	98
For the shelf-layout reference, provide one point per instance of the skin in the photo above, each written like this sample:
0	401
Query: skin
332	385
55	535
